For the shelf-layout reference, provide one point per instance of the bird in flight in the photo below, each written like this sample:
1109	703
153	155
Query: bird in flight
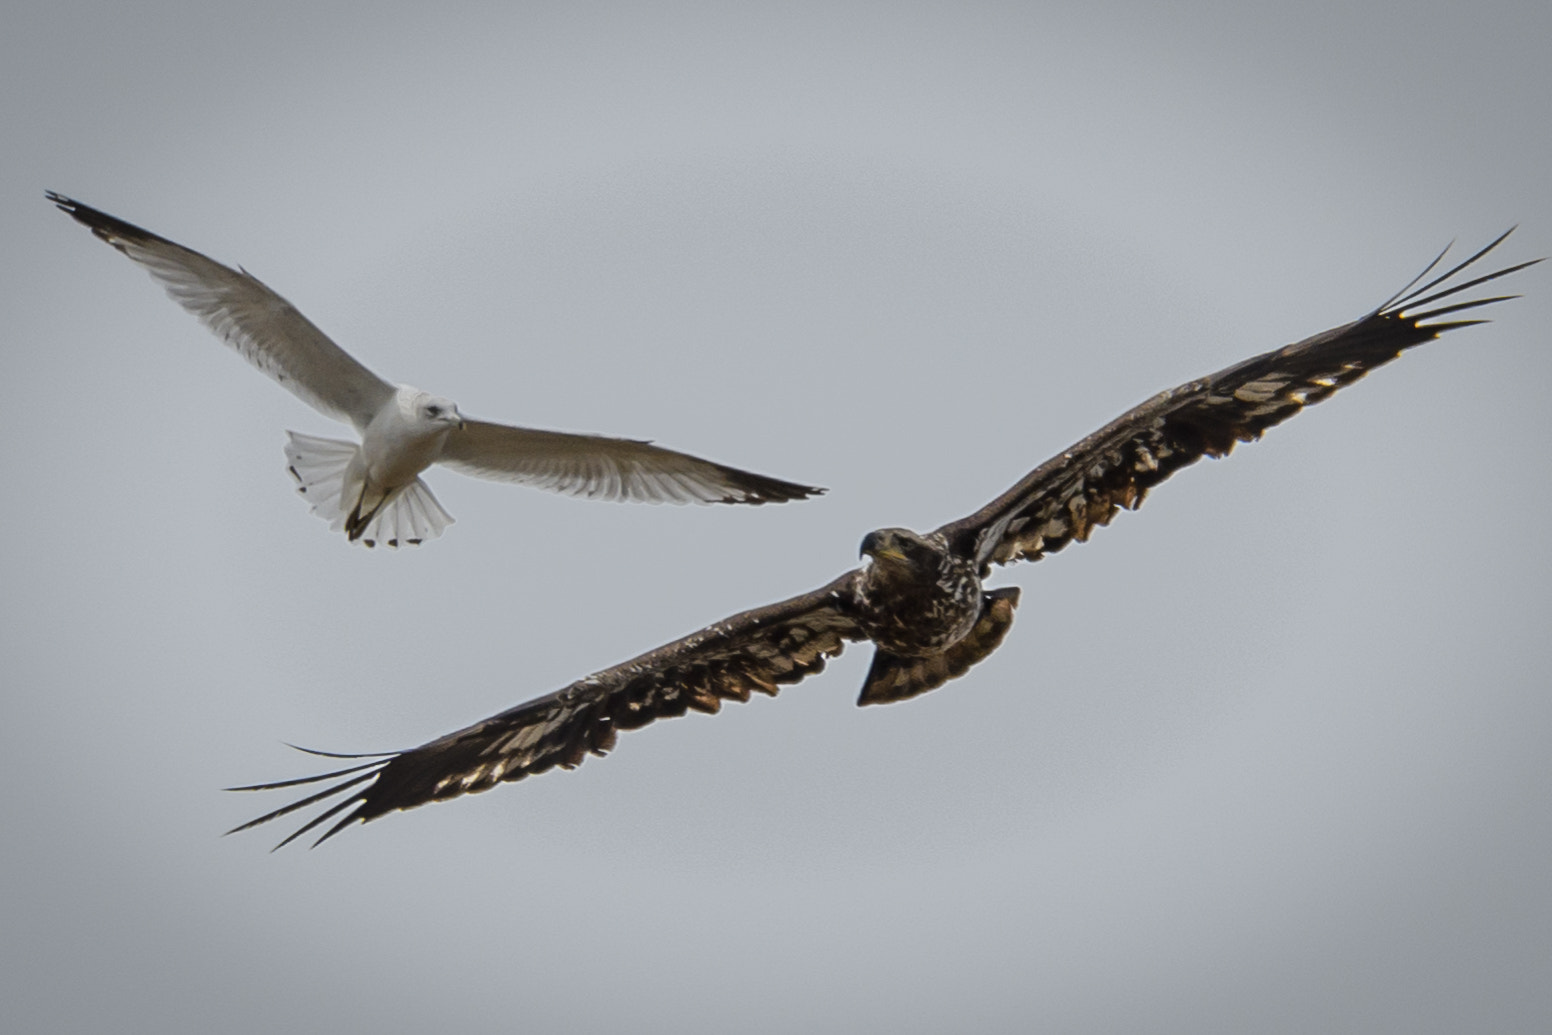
373	490
919	598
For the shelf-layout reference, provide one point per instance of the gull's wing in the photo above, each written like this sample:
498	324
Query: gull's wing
756	650
266	329
1068	496
602	468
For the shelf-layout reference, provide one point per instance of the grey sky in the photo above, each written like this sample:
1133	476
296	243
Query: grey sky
1269	755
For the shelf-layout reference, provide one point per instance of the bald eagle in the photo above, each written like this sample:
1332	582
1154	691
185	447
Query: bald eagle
920	598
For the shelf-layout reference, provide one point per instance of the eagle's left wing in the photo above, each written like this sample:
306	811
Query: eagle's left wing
752	651
1070	495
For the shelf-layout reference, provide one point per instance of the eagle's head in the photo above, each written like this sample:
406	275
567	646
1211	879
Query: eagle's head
900	548
917	597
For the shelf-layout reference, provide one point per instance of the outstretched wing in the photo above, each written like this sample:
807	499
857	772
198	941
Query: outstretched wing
757	650
602	468
1070	495
267	330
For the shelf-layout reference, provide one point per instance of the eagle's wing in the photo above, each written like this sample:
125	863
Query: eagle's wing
267	330
756	650
1070	495
604	468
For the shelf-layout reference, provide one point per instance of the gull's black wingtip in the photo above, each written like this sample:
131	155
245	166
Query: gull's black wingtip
110	229
80	211
757	489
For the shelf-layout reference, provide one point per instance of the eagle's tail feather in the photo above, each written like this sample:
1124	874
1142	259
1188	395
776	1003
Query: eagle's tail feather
894	677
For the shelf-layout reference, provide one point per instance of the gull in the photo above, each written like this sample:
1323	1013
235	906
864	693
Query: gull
372	490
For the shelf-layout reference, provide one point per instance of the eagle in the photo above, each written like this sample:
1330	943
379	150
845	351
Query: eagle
920	598
372	490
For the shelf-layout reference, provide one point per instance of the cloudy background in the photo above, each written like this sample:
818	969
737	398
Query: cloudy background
1269	755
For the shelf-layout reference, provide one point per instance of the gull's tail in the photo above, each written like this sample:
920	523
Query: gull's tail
404	517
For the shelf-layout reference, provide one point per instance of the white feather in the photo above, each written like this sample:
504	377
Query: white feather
404	430
321	467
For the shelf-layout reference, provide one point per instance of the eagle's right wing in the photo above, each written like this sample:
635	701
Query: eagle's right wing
752	651
1068	496
264	328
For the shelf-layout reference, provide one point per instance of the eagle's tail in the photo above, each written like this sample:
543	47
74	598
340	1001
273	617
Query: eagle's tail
895	677
403	517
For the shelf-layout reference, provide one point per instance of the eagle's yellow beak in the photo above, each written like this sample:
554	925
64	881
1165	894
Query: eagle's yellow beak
881	546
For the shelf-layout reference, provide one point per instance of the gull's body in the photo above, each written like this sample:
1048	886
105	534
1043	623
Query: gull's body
373	490
404	437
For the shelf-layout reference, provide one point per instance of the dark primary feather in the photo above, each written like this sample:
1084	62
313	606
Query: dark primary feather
1068	496
1060	501
755	651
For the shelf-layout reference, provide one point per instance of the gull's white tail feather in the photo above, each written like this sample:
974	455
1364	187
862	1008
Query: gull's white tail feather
320	465
407	518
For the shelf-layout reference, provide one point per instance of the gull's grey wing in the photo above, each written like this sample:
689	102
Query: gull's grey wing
602	468
757	650
266	329
1068	496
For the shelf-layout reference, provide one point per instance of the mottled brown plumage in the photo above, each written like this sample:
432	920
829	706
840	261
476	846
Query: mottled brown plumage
920	599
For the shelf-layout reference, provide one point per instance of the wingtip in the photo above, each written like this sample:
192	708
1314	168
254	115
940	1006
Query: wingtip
1407	302
778	491
806	492
357	775
338	754
63	202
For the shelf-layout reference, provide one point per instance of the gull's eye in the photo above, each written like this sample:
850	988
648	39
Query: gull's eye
433	411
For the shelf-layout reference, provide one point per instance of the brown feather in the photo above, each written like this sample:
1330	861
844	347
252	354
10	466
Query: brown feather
893	677
1067	497
921	595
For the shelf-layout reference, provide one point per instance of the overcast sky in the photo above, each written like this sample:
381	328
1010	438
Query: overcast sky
1269	755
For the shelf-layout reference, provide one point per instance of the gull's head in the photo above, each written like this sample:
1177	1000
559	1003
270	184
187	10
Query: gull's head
428	411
